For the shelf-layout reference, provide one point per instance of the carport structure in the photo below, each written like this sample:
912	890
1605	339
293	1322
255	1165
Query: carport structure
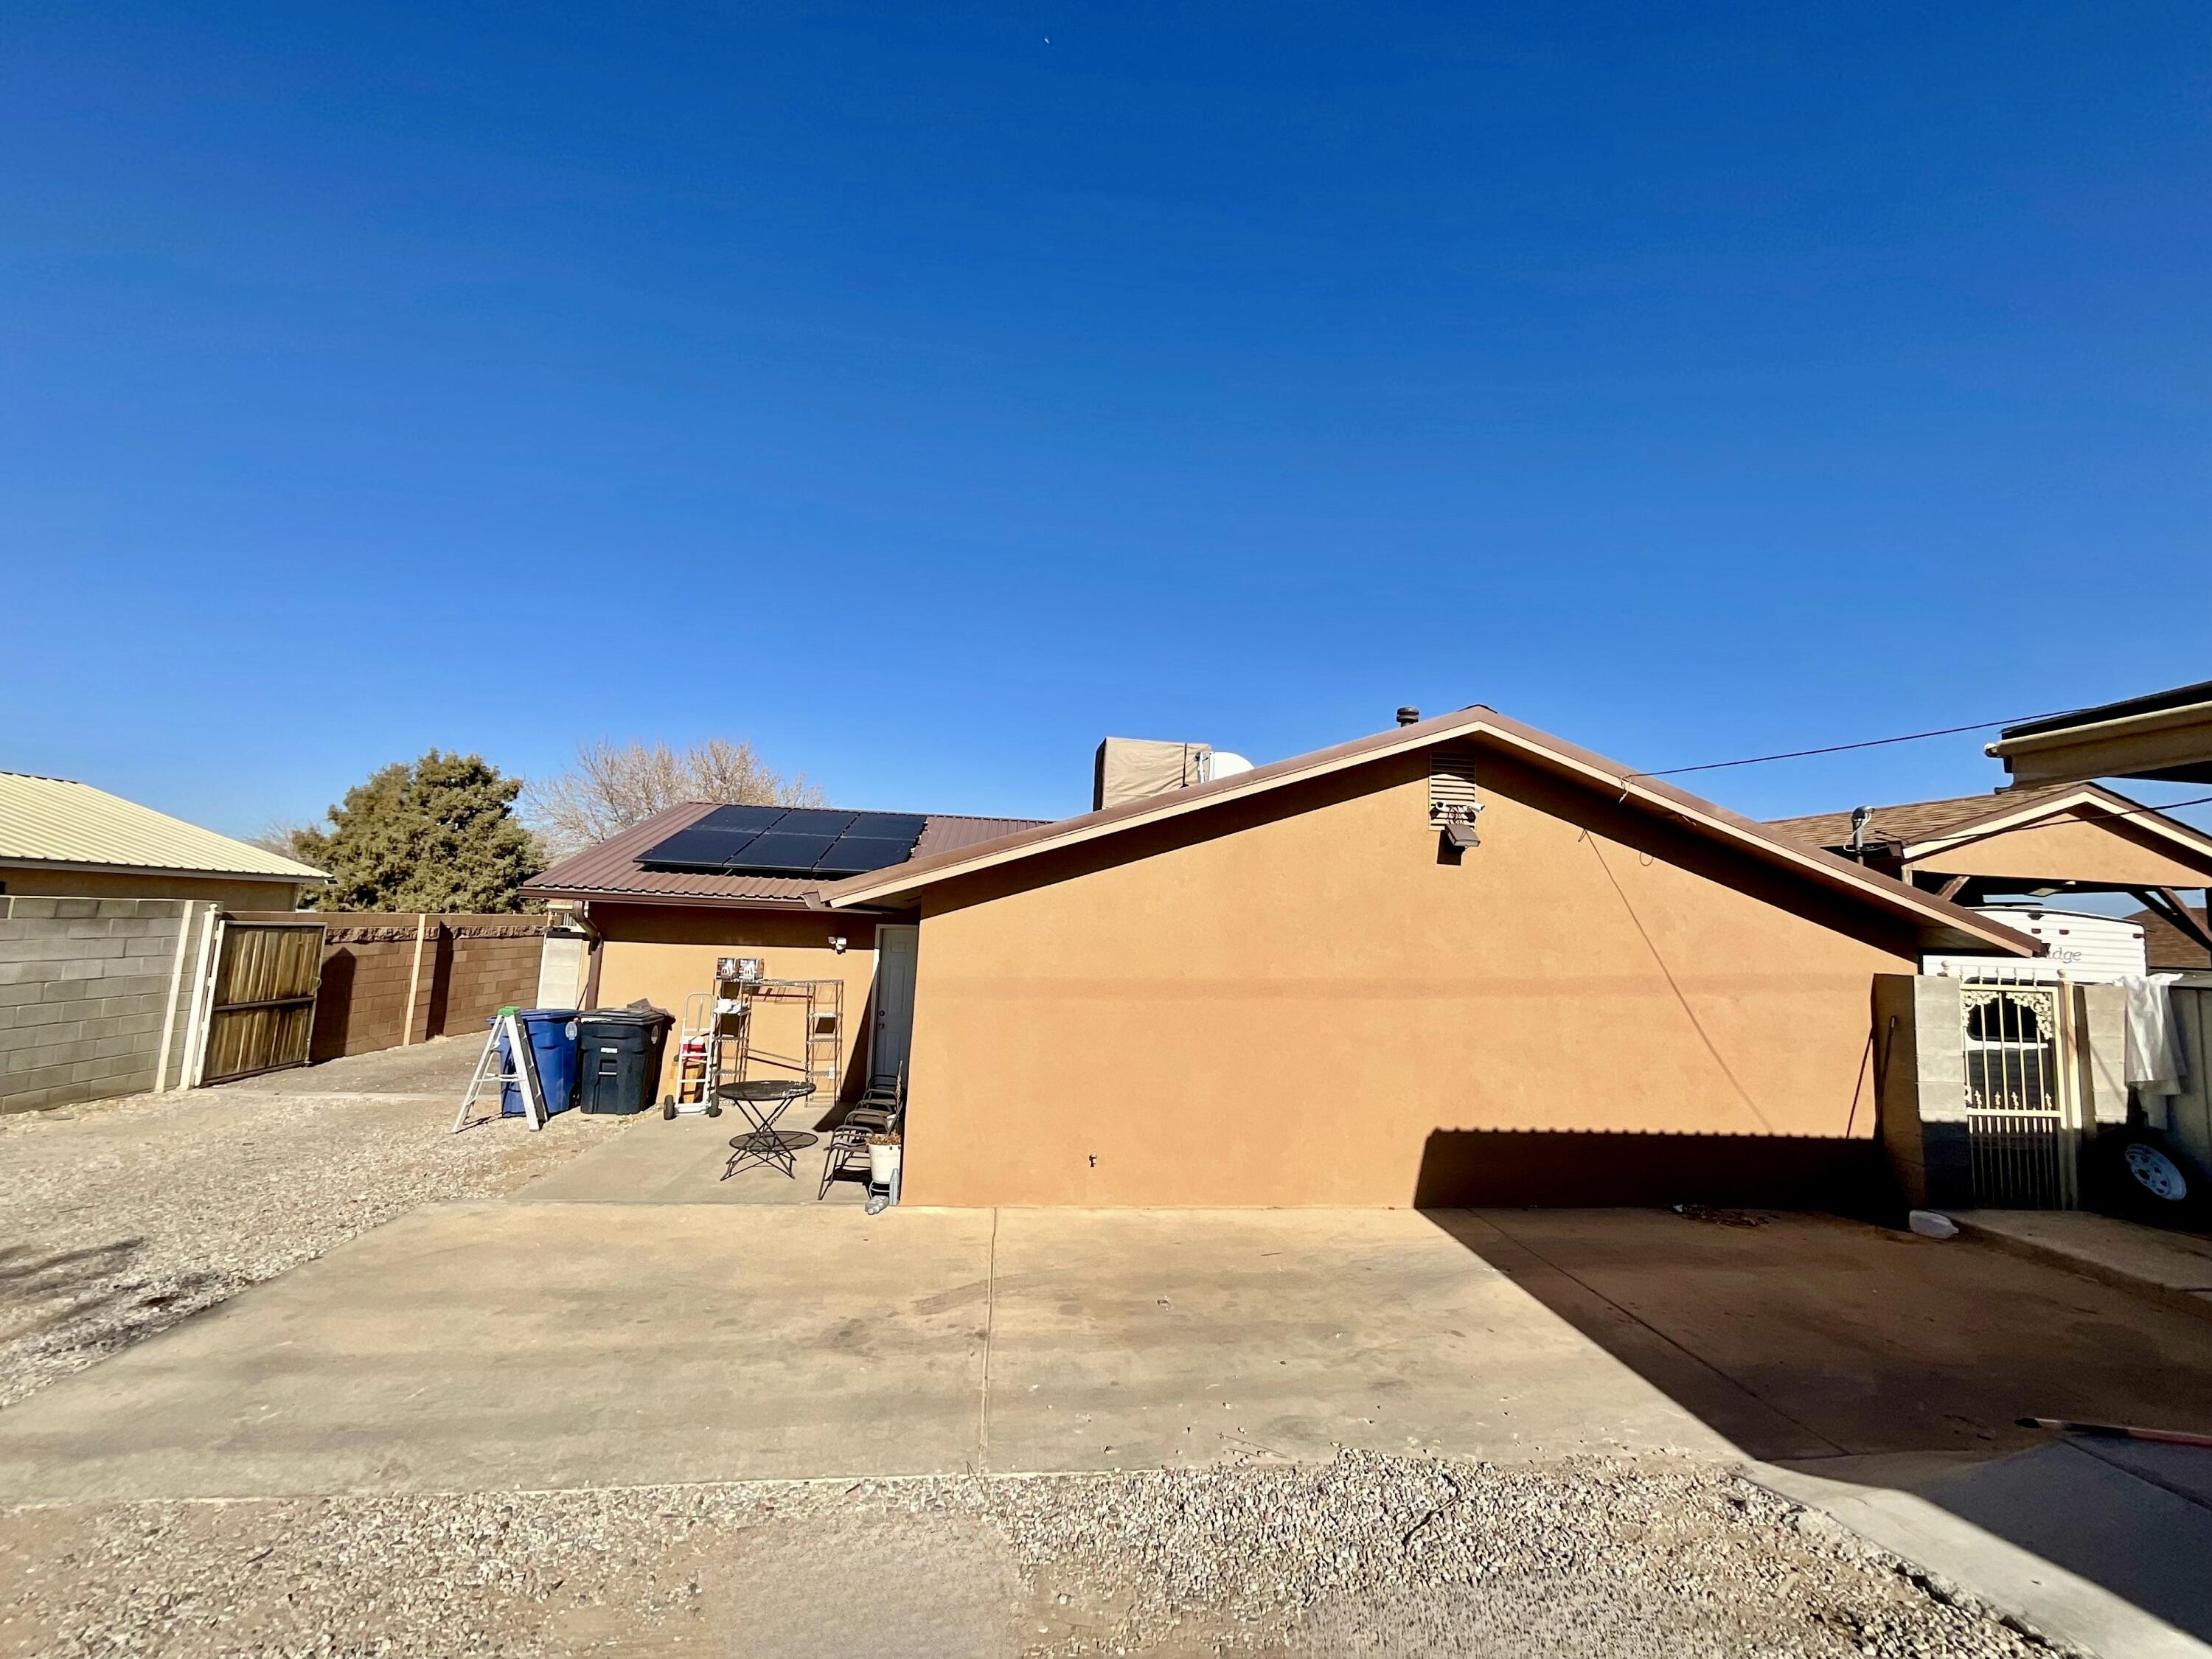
2051	841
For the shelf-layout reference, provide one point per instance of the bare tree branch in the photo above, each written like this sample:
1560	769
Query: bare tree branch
280	837
611	787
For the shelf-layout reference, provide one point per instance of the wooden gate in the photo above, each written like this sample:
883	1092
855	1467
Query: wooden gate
260	1005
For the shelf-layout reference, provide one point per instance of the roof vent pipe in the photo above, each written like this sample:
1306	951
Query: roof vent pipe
1408	716
1860	817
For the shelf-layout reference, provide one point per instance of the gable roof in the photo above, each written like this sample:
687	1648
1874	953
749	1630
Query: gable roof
1944	924
1917	820
1924	825
613	869
54	821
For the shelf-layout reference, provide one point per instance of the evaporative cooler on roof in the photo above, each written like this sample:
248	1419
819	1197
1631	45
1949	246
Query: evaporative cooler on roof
789	840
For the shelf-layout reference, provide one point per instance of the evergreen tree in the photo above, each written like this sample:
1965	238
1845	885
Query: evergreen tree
439	834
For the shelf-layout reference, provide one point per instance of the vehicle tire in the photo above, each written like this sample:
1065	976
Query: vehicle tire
2139	1174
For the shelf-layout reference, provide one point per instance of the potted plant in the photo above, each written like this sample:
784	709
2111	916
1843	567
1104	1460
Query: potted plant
883	1160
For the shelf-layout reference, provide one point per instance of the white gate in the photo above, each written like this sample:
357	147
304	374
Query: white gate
2023	1109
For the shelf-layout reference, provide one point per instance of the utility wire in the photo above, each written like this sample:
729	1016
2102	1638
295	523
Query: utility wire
1839	748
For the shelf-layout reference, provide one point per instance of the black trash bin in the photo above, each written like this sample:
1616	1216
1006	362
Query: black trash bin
618	1058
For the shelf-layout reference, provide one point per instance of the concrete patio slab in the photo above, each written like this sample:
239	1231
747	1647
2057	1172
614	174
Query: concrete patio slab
504	1345
1863	1339
1134	1338
657	1160
495	1346
2126	1254
516	1346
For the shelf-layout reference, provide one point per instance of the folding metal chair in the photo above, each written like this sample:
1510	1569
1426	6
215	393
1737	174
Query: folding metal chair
880	1108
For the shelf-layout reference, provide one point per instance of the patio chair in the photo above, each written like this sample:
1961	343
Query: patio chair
881	1107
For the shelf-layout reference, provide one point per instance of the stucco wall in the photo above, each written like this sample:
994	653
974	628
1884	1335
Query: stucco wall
2073	846
1278	1006
666	953
232	893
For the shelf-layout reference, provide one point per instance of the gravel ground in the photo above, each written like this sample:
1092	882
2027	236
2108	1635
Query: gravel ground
120	1219
1368	1555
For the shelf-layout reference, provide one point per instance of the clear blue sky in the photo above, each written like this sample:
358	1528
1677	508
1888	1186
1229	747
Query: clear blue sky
925	391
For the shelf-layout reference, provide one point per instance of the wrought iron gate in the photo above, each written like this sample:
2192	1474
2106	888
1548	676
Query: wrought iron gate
2022	1117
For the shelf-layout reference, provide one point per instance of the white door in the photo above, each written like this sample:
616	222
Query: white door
896	949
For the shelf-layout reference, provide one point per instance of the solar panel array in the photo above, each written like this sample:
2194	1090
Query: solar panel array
790	841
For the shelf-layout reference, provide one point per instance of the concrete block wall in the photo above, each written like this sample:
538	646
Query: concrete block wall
1920	1048
485	971
368	978
1920	1038
88	986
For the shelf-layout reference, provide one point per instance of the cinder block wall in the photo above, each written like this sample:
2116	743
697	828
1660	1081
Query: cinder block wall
368	967
87	985
490	963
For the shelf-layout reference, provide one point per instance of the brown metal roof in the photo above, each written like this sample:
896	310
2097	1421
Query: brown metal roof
612	869
1944	926
1924	820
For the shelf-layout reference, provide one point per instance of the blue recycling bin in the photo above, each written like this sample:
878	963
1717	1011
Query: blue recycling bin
551	1035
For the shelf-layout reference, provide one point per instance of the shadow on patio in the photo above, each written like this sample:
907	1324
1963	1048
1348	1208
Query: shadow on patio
1839	1349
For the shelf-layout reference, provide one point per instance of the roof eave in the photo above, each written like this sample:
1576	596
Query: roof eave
694	900
302	876
1945	921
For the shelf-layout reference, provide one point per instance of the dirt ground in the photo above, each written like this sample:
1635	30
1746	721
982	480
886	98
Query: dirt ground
119	1218
1367	1555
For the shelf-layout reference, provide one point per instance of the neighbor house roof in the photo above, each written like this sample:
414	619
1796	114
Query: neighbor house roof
1914	820
1919	826
2166	945
53	823
613	868
1944	926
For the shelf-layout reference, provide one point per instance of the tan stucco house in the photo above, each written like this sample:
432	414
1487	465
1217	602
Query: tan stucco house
70	840
1459	961
626	927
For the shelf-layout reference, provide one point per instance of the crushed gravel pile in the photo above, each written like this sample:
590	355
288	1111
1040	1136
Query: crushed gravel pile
1368	1555
118	1220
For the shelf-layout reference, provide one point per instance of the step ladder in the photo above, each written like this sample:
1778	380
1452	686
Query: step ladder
491	1070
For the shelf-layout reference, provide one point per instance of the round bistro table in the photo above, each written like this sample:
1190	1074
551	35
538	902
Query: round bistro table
763	1101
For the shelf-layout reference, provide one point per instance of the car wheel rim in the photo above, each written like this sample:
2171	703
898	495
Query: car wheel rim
2156	1173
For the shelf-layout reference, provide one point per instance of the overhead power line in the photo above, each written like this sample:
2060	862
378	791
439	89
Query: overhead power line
1839	747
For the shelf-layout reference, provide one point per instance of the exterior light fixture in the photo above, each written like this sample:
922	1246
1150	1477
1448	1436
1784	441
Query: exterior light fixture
1457	822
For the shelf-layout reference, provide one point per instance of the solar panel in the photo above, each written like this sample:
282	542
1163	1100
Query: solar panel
697	848
889	826
751	819
854	855
775	850
797	841
813	821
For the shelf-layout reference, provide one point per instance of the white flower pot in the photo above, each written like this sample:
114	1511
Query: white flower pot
882	1166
